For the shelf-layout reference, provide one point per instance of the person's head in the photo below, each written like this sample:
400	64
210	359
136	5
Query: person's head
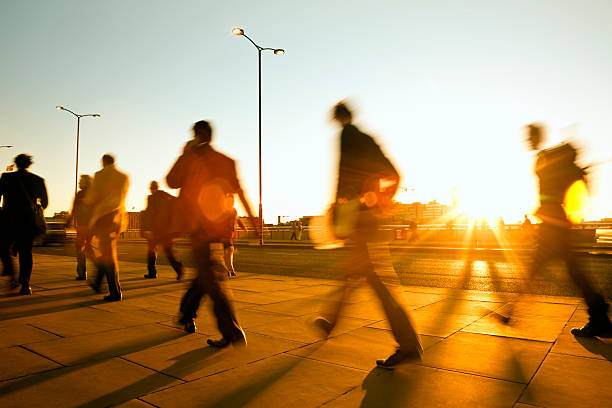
202	131
23	161
84	181
154	186
534	136
342	114
107	160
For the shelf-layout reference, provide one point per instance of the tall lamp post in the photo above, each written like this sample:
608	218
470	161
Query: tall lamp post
78	116
277	51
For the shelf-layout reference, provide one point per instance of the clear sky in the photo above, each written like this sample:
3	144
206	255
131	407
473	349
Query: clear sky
444	86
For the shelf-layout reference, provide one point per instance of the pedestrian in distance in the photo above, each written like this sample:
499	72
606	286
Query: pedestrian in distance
228	244
557	170
107	197
294	230
80	217
367	182
24	196
205	178
156	221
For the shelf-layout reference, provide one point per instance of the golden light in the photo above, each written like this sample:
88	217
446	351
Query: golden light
96	115
237	31
59	107
576	202
279	51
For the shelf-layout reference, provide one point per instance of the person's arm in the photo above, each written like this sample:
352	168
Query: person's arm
2	186
176	175
44	199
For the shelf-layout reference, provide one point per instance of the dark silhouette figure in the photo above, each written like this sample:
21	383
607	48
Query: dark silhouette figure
361	201
107	196
157	230
206	178
228	244
294	230
21	191
80	217
556	170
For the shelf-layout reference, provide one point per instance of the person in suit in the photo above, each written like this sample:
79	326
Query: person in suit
228	243
80	216
20	192
107	197
158	216
362	200
205	178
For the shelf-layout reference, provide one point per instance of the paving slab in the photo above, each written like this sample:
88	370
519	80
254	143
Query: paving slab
103	384
461	306
280	381
295	307
21	333
17	361
567	343
570	381
358	348
526	308
434	324
262	285
530	328
100	346
193	358
503	358
265	298
418	386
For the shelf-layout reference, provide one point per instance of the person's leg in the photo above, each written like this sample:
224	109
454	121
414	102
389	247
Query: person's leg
5	256
176	264
151	258
229	260
24	247
109	264
79	246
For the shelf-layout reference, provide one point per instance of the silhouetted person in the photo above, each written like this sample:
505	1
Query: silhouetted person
228	244
206	177
80	217
20	192
300	229
293	231
556	170
363	201
107	196
158	217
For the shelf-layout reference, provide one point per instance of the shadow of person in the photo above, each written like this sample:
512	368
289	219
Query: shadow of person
597	346
385	388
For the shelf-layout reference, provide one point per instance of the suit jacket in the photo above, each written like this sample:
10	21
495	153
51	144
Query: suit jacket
206	178
159	213
107	195
17	209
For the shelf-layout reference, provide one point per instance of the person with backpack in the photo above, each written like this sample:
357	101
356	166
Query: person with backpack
556	170
367	182
24	196
156	229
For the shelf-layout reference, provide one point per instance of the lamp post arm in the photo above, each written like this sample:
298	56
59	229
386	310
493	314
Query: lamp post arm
252	42
75	114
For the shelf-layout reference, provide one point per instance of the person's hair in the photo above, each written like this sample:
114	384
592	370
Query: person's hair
535	133
154	185
107	159
23	161
342	111
85	179
203	130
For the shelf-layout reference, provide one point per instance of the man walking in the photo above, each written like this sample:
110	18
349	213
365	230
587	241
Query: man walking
206	178
556	170
107	196
80	217
21	192
157	219
367	182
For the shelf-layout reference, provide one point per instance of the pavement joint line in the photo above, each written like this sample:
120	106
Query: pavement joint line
579	356
25	347
453	370
45	330
146	402
340	395
149	368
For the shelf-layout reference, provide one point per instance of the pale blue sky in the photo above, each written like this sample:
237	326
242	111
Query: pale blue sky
445	86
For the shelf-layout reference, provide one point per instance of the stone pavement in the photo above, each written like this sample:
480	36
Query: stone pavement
64	347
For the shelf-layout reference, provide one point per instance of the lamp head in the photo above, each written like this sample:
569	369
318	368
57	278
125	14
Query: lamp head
96	115
279	51
59	107
237	31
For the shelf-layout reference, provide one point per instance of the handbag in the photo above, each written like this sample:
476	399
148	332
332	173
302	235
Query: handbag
40	224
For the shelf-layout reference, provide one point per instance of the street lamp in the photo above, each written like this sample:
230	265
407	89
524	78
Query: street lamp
277	51
78	116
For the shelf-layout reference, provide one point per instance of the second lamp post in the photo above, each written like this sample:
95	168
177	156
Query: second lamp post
277	51
78	116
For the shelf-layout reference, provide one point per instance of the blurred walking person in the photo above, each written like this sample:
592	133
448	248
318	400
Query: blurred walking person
107	197
556	170
367	182
294	230
80	217
205	178
157	226
23	195
228	244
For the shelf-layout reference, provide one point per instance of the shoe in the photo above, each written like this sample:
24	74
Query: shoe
324	325
25	290
398	357
603	329
96	288
113	298
147	276
80	278
189	324
222	342
179	274
232	273
237	340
